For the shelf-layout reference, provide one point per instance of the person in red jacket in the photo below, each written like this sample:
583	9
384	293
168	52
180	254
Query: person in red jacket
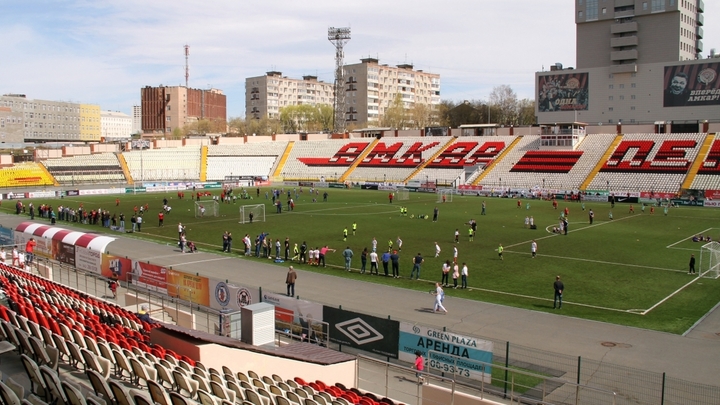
29	249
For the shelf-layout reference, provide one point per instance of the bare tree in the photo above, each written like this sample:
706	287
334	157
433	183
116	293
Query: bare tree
505	103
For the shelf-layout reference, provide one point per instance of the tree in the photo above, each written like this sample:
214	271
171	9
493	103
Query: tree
505	102
306	118
422	115
526	112
394	116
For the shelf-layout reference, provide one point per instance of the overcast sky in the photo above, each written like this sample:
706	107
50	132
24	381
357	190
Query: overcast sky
103	51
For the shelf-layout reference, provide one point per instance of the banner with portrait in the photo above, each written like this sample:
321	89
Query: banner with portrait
691	85
563	92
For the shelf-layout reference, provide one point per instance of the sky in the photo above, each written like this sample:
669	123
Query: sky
103	52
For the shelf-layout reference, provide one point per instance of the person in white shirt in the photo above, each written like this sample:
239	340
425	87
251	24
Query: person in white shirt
3	255
464	275
399	244
439	297
21	260
455	254
533	248
15	257
373	261
437	249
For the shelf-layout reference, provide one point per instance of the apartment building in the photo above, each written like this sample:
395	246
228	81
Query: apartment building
266	95
638	61
371	88
165	108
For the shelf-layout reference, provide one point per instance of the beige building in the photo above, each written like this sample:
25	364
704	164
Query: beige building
371	88
625	33
115	125
28	120
266	95
637	63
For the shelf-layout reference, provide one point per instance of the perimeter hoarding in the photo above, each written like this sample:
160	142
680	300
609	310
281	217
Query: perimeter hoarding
691	85
465	356
563	92
361	331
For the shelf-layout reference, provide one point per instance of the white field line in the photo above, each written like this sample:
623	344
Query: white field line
702	318
685	239
671	295
601	262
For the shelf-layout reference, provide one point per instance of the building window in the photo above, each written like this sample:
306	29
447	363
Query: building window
610	76
610	86
632	97
658	5
168	118
610	98
644	5
632	85
622	97
592	10
632	108
580	15
604	10
622	86
610	109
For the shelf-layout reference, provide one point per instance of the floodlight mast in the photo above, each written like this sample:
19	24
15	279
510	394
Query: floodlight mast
339	37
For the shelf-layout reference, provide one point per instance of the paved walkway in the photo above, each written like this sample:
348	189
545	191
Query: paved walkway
694	357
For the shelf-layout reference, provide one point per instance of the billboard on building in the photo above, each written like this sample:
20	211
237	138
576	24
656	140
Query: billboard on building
691	85
562	92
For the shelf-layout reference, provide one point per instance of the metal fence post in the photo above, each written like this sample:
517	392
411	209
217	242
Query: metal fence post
507	366
662	392
577	387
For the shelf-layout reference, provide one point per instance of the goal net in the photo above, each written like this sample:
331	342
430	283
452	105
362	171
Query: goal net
710	260
445	195
209	208
252	213
402	194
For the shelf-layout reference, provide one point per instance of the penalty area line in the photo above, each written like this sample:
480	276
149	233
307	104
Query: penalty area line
683	240
671	295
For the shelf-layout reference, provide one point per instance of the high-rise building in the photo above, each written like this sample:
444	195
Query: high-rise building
266	95
624	33
638	62
115	125
28	120
370	89
136	119
165	108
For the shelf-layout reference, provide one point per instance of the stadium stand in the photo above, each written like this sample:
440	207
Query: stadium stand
58	332
526	166
164	164
95	168
464	152
649	162
395	159
250	159
25	174
316	159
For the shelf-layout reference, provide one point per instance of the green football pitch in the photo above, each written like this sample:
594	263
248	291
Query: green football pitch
631	270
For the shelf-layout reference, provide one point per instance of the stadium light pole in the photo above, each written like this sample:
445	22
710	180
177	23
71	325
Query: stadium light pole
339	37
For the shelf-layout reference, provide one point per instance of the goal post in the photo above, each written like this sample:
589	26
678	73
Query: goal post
257	212
445	195
208	208
401	193
710	260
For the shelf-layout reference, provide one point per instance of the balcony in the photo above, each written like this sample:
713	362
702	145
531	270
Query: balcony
700	6
699	46
625	13
624	55
700	19
620	42
622	28
700	33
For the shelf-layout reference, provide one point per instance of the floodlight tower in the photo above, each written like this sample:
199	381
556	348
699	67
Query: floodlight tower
339	37
187	66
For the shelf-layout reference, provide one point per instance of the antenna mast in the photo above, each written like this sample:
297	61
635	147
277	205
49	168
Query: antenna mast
339	37
187	66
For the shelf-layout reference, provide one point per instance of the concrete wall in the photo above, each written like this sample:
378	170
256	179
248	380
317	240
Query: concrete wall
216	356
231	140
287	137
75	150
317	137
166	143
104	148
256	139
196	141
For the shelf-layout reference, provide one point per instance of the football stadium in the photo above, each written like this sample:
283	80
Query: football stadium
190	303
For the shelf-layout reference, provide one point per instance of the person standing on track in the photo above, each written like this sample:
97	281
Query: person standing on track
559	287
